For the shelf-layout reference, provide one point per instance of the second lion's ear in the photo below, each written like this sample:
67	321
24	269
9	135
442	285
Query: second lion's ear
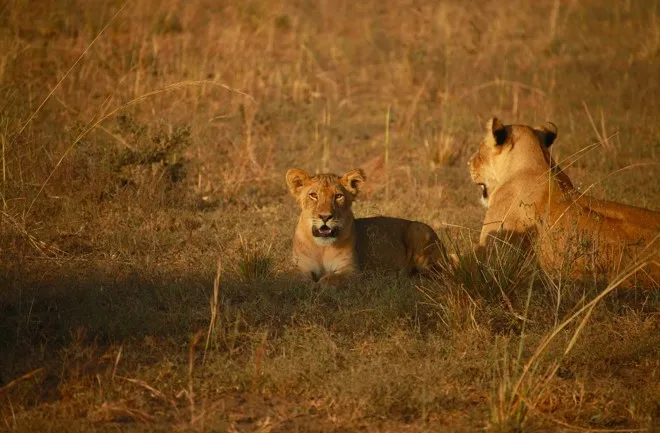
497	128
352	180
547	133
295	180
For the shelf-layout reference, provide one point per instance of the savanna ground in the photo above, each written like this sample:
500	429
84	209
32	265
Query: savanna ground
128	174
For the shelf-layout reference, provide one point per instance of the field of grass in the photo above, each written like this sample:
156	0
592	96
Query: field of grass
145	225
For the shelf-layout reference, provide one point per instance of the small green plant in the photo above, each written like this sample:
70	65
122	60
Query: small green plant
162	148
255	262
152	161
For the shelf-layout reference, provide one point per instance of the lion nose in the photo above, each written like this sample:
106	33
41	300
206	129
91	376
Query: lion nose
326	217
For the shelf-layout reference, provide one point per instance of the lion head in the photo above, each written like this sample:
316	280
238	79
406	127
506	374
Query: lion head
509	150
325	200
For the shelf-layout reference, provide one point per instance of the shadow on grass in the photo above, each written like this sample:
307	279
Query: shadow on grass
279	336
44	310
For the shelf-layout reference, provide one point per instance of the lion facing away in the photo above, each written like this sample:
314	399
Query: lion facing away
529	198
330	244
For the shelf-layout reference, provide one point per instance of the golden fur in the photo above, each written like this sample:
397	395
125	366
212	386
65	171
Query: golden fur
329	244
528	197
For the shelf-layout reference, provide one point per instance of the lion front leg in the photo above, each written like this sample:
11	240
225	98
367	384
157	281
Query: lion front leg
334	279
339	267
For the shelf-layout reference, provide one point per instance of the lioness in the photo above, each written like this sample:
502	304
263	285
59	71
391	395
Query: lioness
330	244
528	197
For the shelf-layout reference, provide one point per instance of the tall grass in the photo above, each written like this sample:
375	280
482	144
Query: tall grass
111	235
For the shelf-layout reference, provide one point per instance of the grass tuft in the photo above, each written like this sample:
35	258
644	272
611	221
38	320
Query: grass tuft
255	262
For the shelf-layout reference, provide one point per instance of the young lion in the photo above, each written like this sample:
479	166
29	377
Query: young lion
329	244
528	197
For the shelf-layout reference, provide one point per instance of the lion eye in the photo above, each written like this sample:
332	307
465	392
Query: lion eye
339	196
313	195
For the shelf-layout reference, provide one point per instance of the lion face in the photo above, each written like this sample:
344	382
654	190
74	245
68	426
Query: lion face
325	201
508	150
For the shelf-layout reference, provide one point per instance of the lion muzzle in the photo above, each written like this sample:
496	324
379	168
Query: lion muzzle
324	231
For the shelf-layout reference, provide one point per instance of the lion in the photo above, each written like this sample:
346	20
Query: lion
330	244
530	199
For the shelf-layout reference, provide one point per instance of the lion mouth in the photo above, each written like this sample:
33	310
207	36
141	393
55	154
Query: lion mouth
484	190
324	232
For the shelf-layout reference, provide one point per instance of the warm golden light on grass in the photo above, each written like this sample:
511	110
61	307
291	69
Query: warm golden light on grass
145	228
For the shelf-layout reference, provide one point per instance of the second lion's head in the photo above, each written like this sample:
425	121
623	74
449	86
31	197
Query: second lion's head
509	150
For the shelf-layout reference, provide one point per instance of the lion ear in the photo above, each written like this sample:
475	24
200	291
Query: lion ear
352	180
497	128
547	133
295	180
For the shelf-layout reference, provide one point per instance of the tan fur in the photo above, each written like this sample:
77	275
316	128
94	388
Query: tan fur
528	198
379	243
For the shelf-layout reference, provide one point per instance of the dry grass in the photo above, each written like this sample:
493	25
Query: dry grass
141	142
